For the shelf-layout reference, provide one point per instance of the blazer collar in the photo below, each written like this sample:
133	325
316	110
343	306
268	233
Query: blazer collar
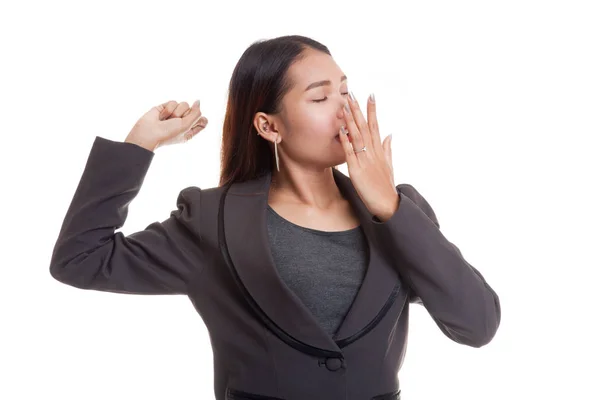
246	238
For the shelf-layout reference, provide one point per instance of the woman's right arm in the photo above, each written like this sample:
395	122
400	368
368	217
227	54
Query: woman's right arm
89	254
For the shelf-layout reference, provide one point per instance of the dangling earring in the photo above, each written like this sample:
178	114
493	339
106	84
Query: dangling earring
276	155
265	129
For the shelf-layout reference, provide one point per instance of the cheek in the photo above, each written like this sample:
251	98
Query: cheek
315	124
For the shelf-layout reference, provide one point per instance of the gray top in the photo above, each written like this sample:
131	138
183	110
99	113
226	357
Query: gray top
324	269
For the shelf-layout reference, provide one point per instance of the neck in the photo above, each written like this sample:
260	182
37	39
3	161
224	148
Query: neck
312	188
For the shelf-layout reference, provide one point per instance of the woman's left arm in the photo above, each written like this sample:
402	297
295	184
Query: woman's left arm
455	294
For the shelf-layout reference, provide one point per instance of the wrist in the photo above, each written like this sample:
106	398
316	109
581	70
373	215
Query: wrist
389	210
142	142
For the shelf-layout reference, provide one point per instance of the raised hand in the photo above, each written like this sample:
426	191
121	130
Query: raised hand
166	124
369	161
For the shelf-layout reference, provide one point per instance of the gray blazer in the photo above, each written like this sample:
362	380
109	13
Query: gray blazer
214	249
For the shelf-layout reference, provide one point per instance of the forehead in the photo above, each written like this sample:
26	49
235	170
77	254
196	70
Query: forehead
314	66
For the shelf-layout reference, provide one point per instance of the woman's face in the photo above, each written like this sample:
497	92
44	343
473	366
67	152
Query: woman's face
311	113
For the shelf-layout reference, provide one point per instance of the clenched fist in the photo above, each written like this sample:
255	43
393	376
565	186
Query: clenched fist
168	123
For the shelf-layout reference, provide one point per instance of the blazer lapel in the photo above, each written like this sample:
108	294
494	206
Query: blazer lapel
381	284
246	238
246	234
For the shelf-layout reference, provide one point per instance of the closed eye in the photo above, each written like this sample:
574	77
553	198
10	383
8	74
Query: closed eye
325	98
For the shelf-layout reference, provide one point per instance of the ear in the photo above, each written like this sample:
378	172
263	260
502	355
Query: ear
266	127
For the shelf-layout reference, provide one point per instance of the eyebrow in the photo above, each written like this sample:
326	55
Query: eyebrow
323	83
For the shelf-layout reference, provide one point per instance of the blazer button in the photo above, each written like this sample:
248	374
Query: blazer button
333	364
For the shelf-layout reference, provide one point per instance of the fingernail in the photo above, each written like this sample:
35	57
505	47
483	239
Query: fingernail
347	108
343	130
372	97
352	96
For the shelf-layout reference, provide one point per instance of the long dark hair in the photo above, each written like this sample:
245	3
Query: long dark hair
258	84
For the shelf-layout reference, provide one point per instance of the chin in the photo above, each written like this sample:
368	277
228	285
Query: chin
341	159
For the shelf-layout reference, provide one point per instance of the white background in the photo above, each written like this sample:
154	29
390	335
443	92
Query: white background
494	107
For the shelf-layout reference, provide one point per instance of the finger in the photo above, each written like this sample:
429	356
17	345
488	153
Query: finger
157	110
348	149
167	110
181	109
193	116
387	150
360	120
201	123
187	112
353	131
373	124
192	132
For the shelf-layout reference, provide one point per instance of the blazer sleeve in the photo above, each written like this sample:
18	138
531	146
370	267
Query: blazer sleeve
88	254
455	294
